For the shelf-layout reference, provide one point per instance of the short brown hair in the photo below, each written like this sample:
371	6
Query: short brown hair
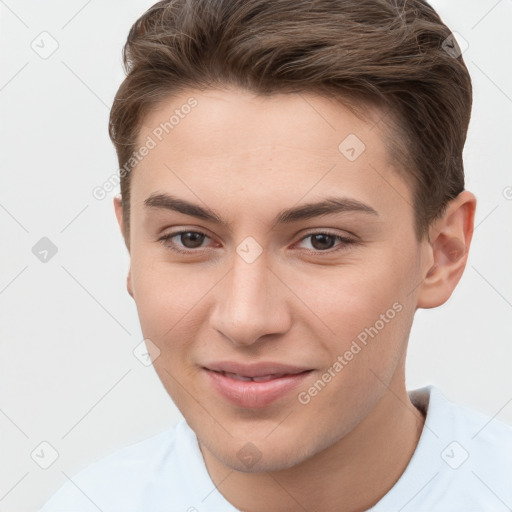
397	54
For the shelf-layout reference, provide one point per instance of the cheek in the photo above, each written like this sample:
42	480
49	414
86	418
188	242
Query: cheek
352	298
369	314
162	294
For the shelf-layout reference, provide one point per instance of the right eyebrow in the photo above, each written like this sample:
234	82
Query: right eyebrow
168	202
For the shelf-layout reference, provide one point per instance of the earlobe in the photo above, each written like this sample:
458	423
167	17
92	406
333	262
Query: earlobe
450	238
129	283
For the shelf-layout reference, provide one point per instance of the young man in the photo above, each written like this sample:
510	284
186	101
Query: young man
292	191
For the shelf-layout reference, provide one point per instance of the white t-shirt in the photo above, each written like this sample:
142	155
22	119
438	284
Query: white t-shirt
463	463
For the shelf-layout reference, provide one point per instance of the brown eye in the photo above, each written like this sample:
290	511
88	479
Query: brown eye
183	242
322	241
191	239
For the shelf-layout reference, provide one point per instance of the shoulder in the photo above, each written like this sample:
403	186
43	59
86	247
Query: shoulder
476	455
120	481
483	435
462	463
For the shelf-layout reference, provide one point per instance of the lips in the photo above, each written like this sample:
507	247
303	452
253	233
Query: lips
254	385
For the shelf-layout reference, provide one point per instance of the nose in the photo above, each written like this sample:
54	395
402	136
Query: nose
252	303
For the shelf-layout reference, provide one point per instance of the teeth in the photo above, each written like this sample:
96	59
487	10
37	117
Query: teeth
236	376
262	378
265	378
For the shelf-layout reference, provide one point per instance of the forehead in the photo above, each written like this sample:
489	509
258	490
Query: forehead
299	120
222	143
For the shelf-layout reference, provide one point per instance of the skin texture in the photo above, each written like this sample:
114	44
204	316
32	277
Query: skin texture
299	302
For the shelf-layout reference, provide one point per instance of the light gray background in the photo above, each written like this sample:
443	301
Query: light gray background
68	327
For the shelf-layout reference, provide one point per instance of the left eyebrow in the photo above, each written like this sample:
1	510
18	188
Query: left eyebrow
330	205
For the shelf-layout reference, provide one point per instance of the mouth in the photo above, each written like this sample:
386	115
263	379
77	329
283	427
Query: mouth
254	386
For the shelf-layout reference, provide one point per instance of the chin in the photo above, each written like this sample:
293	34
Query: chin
270	461
264	455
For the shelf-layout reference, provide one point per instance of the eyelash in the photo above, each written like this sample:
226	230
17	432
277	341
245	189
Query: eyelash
165	240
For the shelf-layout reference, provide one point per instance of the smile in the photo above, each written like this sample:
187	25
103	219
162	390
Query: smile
247	390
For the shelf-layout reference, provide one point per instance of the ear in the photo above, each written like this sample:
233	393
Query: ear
449	240
118	207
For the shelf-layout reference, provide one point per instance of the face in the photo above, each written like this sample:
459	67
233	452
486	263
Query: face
277	322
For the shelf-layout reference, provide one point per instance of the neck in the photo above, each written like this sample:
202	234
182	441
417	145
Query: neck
351	475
